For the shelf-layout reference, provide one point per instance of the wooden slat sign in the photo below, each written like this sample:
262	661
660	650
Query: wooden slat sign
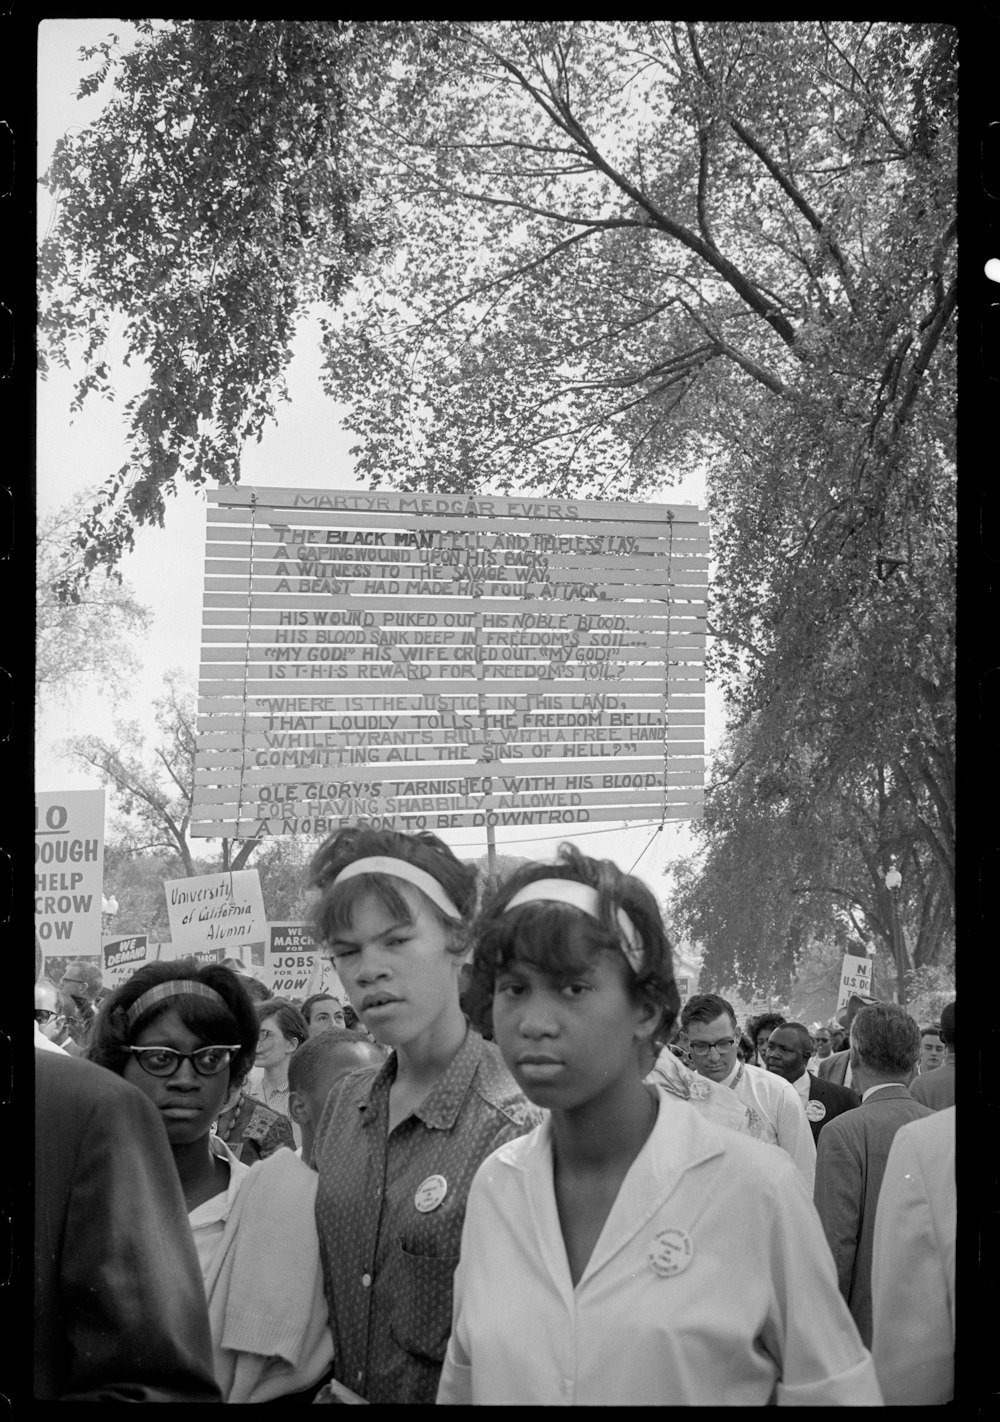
434	661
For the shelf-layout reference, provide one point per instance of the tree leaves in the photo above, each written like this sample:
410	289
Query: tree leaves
83	630
583	258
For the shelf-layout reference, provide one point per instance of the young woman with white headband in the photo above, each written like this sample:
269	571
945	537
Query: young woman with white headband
398	1144
628	1251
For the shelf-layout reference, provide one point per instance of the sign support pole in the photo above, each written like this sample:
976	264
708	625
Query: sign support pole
491	855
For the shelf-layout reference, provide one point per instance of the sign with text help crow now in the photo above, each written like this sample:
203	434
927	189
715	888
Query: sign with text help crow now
410	661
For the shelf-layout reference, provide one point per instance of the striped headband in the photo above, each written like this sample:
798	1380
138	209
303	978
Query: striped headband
176	987
401	869
582	896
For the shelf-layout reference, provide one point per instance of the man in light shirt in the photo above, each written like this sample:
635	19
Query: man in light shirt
853	1149
708	1025
822	1048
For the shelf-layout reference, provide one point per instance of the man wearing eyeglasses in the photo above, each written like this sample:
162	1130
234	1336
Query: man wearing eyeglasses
822	1048
708	1027
81	981
48	1018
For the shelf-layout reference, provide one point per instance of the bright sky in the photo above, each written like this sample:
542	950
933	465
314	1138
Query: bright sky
307	449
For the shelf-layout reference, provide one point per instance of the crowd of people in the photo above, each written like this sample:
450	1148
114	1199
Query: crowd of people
510	1168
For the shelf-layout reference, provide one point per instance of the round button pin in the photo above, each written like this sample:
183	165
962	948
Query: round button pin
430	1193
671	1253
815	1110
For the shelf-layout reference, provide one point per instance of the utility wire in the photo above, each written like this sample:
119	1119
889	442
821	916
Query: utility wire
642	851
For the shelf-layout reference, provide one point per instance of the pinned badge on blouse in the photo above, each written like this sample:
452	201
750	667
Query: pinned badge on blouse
430	1193
815	1110
671	1253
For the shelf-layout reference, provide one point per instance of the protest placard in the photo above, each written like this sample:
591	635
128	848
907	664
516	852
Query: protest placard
69	871
212	911
122	956
415	661
855	977
294	967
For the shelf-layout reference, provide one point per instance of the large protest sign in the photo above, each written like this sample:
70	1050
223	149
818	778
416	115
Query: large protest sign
214	911
418	660
69	871
855	978
122	956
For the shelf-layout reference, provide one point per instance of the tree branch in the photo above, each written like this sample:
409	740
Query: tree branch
563	118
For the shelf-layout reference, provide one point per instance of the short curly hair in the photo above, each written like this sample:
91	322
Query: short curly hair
231	1020
549	936
333	906
765	1022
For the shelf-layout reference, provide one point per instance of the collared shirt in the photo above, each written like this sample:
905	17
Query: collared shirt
880	1087
208	1220
387	1260
783	1113
656	1317
802	1087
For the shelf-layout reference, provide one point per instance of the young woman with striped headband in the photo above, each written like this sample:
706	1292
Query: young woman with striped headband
398	1144
184	1034
628	1251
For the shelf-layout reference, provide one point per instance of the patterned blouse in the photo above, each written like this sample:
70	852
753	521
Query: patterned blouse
389	1211
253	1131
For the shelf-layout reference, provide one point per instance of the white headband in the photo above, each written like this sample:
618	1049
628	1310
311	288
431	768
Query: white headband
581	896
401	869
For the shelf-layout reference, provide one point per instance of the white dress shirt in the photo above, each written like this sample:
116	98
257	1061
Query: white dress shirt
801	1087
777	1102
711	1284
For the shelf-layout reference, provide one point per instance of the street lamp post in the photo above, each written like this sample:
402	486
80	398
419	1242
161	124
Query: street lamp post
893	881
109	907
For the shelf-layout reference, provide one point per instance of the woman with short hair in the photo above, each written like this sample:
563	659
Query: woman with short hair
185	1034
283	1029
398	1143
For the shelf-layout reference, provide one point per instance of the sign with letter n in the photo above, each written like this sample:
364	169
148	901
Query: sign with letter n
412	661
855	977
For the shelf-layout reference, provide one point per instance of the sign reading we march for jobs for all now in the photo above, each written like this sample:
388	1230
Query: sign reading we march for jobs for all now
417	661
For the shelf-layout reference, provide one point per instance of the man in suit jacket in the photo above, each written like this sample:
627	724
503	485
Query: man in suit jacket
120	1311
936	1089
788	1049
836	1067
852	1151
913	1266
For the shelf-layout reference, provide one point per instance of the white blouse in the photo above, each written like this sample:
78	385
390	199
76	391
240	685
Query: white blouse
711	1284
